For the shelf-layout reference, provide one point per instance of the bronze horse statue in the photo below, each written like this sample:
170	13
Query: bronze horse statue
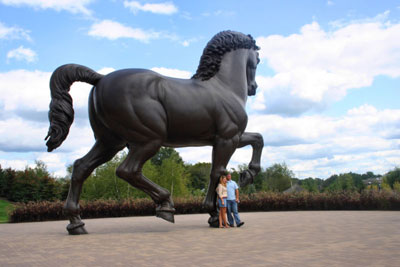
143	110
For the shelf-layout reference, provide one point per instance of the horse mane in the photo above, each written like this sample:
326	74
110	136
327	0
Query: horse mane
217	47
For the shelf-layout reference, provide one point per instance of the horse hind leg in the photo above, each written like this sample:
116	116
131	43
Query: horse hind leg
131	171
82	168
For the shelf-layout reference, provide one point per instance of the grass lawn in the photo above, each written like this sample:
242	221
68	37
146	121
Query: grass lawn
4	207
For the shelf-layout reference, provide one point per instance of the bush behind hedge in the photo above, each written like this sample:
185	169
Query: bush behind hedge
267	201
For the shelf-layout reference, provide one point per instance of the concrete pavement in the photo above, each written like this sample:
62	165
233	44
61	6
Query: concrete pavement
304	238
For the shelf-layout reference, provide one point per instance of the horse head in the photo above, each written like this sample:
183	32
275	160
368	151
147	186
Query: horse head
251	68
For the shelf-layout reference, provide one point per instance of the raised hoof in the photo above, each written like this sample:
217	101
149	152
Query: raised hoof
246	177
166	215
213	221
77	229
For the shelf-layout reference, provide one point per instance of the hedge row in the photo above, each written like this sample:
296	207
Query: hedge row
372	200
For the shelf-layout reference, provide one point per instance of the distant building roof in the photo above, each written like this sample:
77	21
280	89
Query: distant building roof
373	181
294	189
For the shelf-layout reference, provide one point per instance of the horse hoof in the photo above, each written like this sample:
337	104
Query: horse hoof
77	229
166	215
213	221
246	177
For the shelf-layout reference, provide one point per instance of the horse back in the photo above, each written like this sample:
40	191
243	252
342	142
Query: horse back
141	104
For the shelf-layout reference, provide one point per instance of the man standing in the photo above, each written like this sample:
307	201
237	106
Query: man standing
232	201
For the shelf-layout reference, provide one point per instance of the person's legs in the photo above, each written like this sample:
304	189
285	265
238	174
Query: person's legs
235	213
224	217
220	213
229	210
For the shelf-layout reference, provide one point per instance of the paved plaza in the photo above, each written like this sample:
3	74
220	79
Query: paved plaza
304	238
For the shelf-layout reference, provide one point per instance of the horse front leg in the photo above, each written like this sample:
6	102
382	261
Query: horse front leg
222	152
257	142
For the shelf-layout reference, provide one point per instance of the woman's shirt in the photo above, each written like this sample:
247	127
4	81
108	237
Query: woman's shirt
221	191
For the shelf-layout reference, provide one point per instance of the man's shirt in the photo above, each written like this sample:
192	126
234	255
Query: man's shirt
231	186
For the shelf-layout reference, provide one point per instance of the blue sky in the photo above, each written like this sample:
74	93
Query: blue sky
329	76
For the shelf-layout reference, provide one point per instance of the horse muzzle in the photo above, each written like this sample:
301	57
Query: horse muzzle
252	89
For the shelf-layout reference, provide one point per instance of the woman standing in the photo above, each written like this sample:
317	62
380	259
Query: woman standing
222	195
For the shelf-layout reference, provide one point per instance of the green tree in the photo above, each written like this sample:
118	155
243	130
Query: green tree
358	180
199	175
310	184
165	153
104	183
392	176
63	184
173	176
342	182
40	169
32	184
329	181
6	180
260	181
278	177
396	186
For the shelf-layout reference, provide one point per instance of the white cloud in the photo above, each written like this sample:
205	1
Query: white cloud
173	72
186	15
73	6
21	53
24	103
219	13
365	139
106	70
315	67
22	89
22	136
113	30
13	33
380	18
17	135
26	94
188	42
167	8
14	164
55	163
196	154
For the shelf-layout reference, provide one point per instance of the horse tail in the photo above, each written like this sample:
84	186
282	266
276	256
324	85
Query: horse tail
61	113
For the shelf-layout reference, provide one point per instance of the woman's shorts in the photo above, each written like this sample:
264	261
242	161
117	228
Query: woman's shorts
220	203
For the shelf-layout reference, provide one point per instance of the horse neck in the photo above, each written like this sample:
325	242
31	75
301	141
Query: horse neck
232	72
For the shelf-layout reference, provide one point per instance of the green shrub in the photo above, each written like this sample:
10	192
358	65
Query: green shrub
31	184
265	201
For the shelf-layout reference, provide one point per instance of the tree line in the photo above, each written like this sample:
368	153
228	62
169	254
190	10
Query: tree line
168	170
